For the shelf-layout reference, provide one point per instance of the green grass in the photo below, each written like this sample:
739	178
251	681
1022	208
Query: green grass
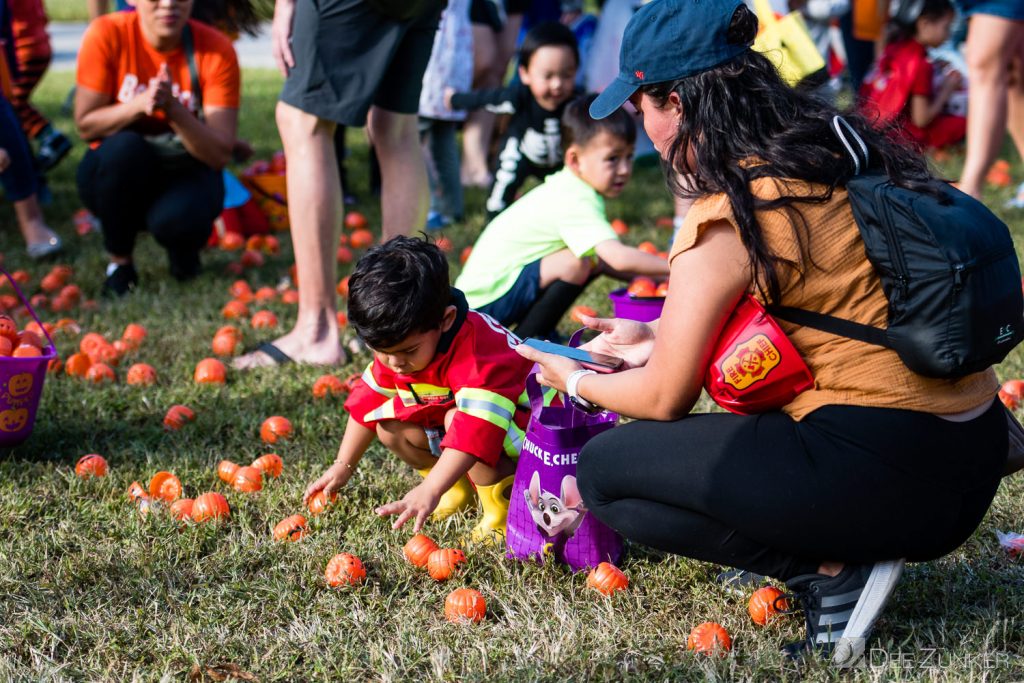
90	590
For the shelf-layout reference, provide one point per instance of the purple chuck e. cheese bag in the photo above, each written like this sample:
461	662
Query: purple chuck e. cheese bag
546	516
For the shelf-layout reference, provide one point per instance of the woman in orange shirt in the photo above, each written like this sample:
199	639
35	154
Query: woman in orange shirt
161	123
870	466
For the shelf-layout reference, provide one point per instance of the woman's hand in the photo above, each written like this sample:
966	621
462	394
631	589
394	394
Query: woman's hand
554	370
629	340
329	482
418	504
281	35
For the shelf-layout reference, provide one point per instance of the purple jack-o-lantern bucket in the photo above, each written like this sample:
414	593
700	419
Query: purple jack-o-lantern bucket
21	385
546	516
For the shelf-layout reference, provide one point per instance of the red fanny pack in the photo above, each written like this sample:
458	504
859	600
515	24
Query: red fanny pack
754	367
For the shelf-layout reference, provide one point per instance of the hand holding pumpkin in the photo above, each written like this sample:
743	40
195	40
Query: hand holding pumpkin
330	482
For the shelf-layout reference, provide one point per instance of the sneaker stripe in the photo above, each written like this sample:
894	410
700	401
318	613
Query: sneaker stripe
849	598
836	620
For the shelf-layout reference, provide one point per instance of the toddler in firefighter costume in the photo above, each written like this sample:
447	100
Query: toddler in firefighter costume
445	390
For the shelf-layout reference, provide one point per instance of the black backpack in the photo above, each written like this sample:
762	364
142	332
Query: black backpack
947	265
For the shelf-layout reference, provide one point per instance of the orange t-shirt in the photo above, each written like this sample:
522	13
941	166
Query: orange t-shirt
115	59
838	279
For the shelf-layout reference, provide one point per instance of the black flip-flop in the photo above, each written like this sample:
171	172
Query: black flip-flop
277	355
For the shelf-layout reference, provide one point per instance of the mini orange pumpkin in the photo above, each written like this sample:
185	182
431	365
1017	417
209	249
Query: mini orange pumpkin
8	328
90	341
177	416
210	506
441	563
241	291
226	471
77	365
606	578
135	333
141	374
360	239
91	465
263	320
344	569
265	294
318	502
356	221
708	638
182	509
210	371
276	428
464	604
26	351
328	385
136	492
225	344
98	373
290	528
765	604
235	309
418	548
270	464
165	486
247	480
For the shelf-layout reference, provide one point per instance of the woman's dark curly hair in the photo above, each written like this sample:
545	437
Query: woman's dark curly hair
233	17
743	122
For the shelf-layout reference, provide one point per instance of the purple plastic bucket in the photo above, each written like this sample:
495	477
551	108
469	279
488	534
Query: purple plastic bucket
643	309
21	386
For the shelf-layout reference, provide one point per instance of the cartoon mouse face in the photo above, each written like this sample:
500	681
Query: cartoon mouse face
20	384
13	420
553	514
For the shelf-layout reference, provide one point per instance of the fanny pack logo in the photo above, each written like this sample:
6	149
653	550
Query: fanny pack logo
750	362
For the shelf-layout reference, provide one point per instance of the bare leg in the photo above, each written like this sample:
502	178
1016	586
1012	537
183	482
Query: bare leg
314	209
30	220
405	192
1015	93
476	135
990	41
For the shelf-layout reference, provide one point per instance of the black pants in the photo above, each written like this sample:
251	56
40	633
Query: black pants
778	497
513	170
122	183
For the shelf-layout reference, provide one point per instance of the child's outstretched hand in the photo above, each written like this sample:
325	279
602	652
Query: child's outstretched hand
5	160
418	504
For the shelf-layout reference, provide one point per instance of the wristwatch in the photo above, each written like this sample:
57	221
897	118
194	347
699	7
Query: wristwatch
574	398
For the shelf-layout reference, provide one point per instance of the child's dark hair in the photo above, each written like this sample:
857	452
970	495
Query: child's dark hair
398	288
579	128
743	122
905	13
232	16
547	34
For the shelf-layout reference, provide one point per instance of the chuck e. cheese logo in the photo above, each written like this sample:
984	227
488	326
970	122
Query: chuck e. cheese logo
750	362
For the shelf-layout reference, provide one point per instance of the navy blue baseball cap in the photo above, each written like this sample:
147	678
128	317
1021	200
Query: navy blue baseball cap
666	40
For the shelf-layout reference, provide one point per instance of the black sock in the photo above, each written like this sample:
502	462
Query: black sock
548	309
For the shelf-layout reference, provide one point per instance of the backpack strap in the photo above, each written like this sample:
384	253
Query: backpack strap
193	73
859	153
831	324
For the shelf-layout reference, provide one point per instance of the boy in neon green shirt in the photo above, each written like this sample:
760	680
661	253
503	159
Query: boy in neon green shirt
535	258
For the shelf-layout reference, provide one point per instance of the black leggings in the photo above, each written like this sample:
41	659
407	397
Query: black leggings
778	497
122	183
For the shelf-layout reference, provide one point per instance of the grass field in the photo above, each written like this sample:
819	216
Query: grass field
90	590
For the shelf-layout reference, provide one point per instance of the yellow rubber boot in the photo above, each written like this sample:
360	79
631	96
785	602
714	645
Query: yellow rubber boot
494	500
459	497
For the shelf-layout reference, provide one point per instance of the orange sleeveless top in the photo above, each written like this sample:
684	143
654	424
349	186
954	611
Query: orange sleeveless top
835	277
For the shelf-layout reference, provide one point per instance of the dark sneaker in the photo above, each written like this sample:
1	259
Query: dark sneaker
739	582
840	611
53	147
120	280
184	263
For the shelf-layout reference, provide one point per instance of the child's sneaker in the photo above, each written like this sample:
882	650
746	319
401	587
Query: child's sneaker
840	611
121	279
53	147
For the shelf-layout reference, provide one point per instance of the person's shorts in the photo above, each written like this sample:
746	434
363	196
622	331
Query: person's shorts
1007	9
512	306
349	58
